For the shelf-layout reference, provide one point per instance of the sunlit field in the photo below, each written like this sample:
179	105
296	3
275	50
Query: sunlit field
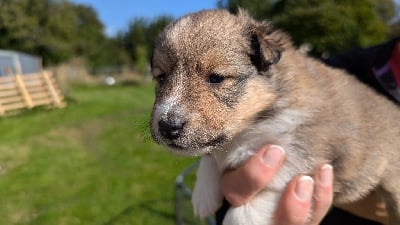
90	163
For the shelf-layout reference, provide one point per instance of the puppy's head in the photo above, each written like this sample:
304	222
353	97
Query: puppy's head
213	73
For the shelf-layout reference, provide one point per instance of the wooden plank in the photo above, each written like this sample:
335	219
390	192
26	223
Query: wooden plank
39	95
8	86
12	99
46	101
7	93
19	105
54	81
57	88
28	75
24	92
52	90
29	90
31	76
2	111
34	83
7	79
37	89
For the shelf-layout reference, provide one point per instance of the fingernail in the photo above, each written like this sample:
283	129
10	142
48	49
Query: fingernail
326	175
273	156
304	188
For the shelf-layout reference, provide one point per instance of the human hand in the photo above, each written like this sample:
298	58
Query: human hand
296	201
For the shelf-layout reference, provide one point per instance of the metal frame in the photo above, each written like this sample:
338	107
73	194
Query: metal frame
182	191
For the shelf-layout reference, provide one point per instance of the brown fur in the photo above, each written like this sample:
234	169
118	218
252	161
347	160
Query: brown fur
348	124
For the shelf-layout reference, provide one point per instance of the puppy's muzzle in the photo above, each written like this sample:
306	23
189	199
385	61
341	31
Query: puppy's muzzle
171	129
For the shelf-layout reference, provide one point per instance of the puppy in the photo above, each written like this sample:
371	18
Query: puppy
227	84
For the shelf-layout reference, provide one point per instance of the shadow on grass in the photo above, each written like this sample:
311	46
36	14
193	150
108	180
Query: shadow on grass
150	206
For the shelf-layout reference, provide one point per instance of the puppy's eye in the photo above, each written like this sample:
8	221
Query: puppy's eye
161	78
215	79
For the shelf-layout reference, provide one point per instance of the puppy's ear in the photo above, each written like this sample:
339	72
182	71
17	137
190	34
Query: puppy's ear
263	56
266	44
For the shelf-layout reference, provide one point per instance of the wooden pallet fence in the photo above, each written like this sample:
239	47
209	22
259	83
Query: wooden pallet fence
28	91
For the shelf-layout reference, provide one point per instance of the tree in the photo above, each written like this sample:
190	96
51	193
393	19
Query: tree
89	29
54	29
135	36
394	24
39	27
395	29
260	9
154	29
108	53
329	26
91	43
140	37
386	9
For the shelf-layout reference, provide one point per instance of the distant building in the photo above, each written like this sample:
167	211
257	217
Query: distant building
12	62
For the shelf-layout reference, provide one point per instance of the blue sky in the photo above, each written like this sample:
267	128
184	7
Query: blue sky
116	14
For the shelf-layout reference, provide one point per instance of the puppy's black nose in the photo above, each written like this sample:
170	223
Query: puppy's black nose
171	129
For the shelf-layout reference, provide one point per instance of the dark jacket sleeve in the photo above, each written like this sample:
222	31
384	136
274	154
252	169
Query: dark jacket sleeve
360	62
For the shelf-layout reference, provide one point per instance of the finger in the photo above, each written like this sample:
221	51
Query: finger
295	204
240	185
323	193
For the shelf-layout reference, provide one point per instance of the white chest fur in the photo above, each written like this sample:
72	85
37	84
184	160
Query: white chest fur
279	131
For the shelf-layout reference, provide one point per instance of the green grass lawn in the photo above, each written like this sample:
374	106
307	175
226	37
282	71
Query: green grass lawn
90	163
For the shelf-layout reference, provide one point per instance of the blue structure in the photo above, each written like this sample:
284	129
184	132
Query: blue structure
12	62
